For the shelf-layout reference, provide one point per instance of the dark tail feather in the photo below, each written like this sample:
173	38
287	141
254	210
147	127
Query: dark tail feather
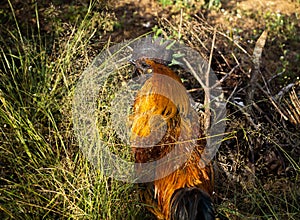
191	204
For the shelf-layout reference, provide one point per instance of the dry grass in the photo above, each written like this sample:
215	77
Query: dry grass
43	174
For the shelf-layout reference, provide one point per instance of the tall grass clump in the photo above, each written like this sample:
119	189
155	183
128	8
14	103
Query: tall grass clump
43	172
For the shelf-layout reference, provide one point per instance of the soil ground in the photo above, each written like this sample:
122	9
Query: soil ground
257	166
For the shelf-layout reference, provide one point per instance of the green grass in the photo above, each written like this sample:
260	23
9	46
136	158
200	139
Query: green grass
43	173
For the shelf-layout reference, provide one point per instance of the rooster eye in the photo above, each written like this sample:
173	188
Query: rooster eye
149	70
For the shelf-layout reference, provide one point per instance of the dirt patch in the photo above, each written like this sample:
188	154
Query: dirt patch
287	7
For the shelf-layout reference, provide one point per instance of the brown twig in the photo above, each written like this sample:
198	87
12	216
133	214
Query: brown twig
256	57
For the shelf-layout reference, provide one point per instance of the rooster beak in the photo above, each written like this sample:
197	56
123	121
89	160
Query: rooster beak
136	71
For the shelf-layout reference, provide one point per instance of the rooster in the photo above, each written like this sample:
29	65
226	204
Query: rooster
185	193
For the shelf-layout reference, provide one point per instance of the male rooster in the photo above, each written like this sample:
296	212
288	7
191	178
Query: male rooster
185	193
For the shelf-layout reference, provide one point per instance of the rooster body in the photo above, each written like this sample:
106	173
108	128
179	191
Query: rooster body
163	101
